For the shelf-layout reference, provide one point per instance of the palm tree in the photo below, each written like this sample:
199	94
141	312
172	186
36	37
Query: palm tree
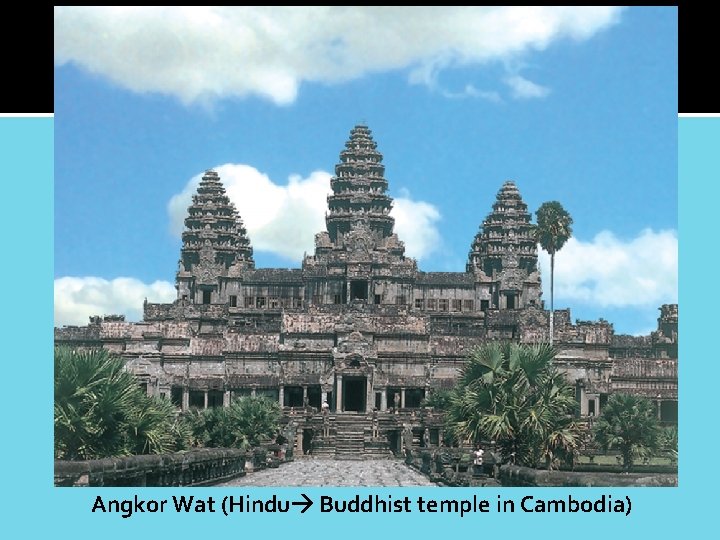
669	442
247	422
100	410
554	228
253	420
439	400
93	393
152	426
513	394
628	423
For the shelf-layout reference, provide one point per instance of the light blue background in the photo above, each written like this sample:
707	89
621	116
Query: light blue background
32	507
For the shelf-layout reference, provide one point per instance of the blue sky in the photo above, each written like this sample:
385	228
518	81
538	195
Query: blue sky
574	105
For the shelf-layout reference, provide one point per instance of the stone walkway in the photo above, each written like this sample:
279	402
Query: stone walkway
335	473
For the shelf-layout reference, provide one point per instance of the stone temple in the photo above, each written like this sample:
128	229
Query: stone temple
359	325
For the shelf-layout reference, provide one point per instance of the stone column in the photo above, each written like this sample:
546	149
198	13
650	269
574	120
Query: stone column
402	398
253	392
338	397
226	398
305	395
281	395
323	397
206	400
659	409
186	398
298	442
369	396
583	400
383	399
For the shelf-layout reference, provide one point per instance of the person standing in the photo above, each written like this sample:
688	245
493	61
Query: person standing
478	460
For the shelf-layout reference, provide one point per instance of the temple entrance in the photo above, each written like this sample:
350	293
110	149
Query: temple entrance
358	290
354	394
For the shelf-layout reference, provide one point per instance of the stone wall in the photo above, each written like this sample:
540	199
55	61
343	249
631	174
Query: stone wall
215	347
649	377
511	475
194	468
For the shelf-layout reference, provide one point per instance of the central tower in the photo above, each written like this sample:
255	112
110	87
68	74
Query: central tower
359	188
359	257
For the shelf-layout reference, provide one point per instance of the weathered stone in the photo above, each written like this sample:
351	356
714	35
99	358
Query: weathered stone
358	325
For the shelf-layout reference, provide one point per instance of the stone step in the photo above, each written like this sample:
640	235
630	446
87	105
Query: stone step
351	438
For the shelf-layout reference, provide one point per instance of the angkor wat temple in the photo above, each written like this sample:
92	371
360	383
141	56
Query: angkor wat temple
358	324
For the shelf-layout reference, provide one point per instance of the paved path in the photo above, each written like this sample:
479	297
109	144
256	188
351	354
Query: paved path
330	472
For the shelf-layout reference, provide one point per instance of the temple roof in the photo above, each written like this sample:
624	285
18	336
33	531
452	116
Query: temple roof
275	275
214	234
445	278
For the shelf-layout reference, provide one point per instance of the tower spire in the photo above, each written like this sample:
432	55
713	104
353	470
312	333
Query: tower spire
214	232
359	188
505	239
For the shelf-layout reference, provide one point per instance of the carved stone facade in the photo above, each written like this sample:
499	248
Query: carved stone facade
359	325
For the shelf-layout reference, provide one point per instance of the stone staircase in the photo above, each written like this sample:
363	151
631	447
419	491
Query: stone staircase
350	438
323	448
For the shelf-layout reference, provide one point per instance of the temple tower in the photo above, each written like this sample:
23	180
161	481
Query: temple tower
359	188
505	250
359	258
214	241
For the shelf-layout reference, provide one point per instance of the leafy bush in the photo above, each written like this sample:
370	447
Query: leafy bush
628	424
101	411
247	422
512	394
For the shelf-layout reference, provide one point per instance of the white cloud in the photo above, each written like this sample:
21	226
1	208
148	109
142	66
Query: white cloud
283	219
522	88
206	53
415	225
77	298
609	272
471	92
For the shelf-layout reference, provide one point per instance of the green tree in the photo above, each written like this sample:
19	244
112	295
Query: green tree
93	393
512	394
629	424
246	423
254	420
153	427
669	442
554	229
100	410
440	400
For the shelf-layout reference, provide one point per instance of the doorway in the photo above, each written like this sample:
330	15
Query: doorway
354	394
358	290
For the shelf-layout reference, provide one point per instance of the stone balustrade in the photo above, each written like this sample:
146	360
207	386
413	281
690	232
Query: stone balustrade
511	475
454	467
192	468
